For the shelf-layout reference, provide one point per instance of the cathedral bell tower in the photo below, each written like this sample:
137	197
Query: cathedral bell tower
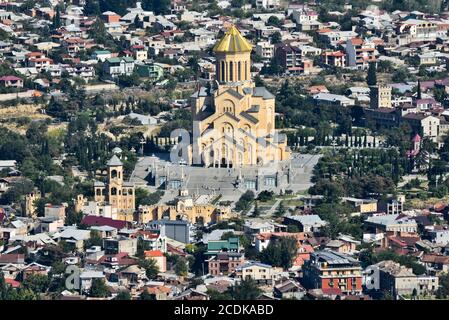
233	54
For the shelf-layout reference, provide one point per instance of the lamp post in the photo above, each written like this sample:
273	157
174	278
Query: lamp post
142	143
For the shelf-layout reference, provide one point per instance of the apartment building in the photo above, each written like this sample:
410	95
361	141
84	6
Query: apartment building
265	50
360	53
413	30
329	269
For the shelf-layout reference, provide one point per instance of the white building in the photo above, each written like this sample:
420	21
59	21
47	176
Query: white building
265	50
267	4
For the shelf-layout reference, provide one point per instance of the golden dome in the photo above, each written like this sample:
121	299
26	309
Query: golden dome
232	42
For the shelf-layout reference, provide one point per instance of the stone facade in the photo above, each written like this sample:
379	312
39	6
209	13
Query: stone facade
118	193
233	121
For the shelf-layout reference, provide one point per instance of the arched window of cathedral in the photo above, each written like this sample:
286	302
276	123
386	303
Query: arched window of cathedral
247	128
239	72
120	192
222	73
98	192
119	175
130	192
103	191
114	174
242	144
231	71
113	191
124	192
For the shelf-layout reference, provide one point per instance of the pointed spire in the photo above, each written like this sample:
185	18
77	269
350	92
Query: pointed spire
232	42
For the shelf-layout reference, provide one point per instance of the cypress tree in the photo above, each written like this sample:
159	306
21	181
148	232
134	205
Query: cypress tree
371	78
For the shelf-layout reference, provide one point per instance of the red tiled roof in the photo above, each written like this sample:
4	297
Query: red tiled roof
417	138
13	283
153	253
9	78
331	291
433	258
12	258
102	221
357	41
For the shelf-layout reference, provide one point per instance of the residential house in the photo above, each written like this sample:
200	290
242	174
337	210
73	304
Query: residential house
73	236
120	244
336	59
11	82
224	263
332	100
393	223
259	272
158	257
423	123
306	223
400	280
54	211
289	289
436	263
119	66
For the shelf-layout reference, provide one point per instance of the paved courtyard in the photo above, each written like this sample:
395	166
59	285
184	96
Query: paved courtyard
200	180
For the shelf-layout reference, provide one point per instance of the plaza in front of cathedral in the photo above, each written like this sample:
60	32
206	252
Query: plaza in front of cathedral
234	145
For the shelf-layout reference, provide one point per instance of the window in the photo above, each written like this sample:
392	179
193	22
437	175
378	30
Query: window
239	72
231	71
222	73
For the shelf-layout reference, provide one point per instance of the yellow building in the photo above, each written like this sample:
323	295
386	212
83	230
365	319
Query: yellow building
185	208
116	192
30	203
233	121
380	97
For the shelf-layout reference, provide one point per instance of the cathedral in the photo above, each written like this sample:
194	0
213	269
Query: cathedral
233	120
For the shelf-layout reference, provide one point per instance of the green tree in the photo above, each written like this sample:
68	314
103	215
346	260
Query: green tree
181	267
245	201
443	290
157	6
37	283
274	21
280	210
145	295
123	295
150	266
94	240
92	8
276	38
280	253
371	78
57	18
245	290
99	289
